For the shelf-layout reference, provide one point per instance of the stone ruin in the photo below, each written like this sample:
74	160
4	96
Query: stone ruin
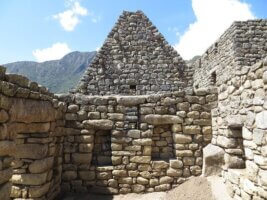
141	119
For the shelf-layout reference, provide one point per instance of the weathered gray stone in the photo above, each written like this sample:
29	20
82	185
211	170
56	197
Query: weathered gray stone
182	139
7	147
31	151
193	129
261	119
137	188
5	189
39	166
160	164
82	158
165	179
29	179
131	100
163	119
5	175
226	142
3	116
29	111
35	192
140	159
102	124
87	175
134	133
213	157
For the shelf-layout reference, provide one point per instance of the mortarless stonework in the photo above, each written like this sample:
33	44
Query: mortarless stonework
135	60
137	124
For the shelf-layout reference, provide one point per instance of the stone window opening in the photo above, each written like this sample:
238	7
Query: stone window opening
132	87
237	154
162	143
213	78
102	148
199	63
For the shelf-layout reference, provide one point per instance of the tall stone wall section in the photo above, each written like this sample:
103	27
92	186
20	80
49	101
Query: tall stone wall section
239	125
30	156
135	59
123	144
243	44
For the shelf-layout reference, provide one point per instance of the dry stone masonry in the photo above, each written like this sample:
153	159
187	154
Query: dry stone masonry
30	153
135	60
122	144
141	119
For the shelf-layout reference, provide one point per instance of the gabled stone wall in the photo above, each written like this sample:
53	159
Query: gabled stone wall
239	127
30	156
243	44
135	59
150	143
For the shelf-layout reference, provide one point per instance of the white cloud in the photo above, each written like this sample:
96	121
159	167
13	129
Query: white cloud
213	17
71	17
56	51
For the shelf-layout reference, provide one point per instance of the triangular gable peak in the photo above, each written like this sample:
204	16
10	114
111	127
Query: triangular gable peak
134	59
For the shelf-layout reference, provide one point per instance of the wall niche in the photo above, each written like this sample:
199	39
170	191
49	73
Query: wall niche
102	148
162	143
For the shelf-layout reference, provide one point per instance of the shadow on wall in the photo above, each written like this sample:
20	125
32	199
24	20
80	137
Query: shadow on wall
86	196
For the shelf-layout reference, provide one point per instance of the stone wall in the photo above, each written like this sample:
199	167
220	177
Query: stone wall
123	144
239	125
30	157
243	44
135	59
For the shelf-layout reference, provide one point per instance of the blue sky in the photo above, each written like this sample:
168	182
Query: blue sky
40	30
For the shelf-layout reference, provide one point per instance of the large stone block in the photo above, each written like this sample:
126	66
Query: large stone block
137	188
69	175
102	124
3	116
35	192
5	190
29	111
193	129
261	120
16	128
165	180
31	151
5	175
163	119
82	158
140	159
213	157
39	166
87	175
7	147
160	165
226	142
182	139
131	100
29	179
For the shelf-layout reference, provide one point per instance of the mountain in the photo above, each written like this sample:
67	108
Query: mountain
57	75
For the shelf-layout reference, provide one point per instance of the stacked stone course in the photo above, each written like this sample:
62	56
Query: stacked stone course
240	127
122	144
165	133
242	45
30	157
135	59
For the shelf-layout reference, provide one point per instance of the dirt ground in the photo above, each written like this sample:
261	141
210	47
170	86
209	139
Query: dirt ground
197	188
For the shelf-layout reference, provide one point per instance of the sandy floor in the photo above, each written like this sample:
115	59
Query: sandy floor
198	188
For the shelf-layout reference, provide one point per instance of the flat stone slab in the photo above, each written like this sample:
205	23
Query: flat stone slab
101	124
163	119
